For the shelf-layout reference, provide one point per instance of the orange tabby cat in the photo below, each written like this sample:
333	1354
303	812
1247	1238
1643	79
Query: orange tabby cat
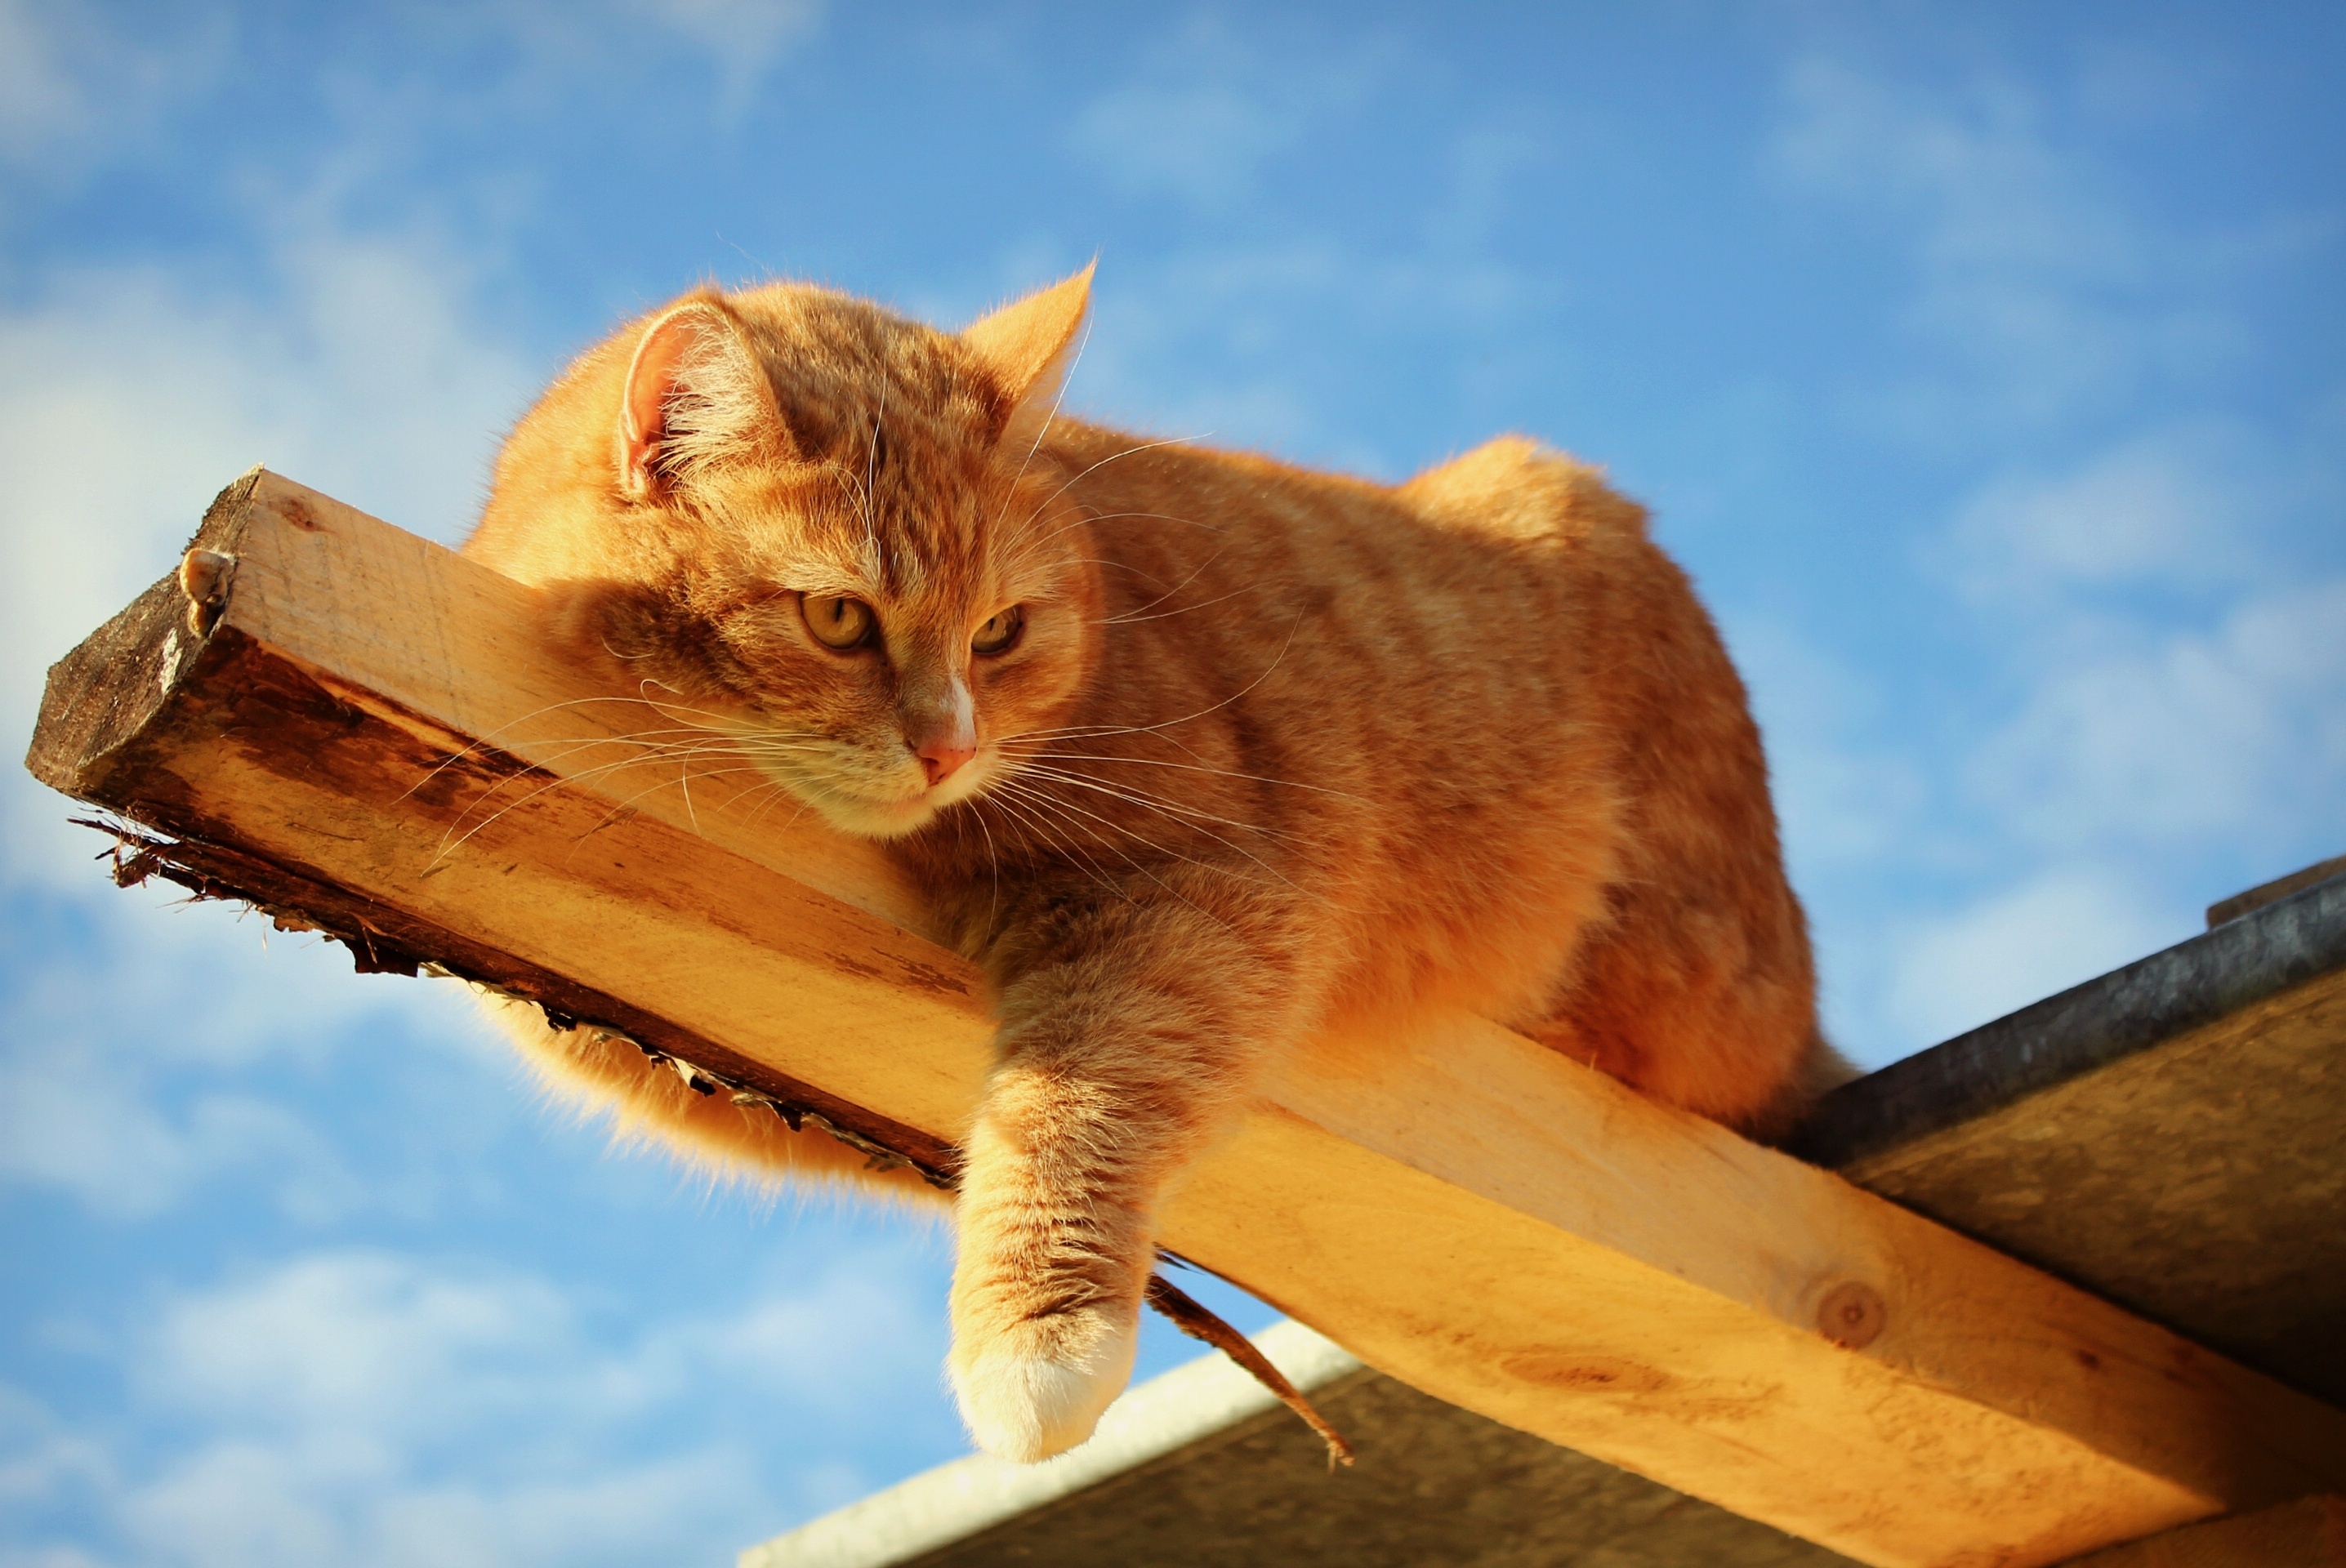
1193	751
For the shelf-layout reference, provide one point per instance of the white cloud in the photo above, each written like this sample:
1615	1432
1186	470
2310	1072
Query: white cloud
73	83
2052	296
38	1459
358	1350
822	1349
127	398
367	1408
2182	746
2193	504
741	36
38	95
2134	738
605	46
1210	107
2064	926
1975	174
1259	330
2238	734
2138	724
2159	695
136	1065
67	1125
139	1068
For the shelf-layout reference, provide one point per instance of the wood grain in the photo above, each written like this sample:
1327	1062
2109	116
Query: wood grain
2308	1533
369	737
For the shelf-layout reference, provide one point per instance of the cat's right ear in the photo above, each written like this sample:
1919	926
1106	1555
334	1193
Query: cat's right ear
695	395
1029	346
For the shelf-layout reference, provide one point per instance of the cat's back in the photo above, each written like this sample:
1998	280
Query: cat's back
1512	505
1513	488
1488	675
1510	563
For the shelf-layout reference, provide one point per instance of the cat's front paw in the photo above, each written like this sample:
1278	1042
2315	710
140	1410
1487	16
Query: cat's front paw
1036	1387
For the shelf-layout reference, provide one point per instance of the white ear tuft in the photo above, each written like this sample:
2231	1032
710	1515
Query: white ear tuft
695	397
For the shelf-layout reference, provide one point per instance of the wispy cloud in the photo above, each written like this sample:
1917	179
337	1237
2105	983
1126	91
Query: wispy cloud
2172	740
737	42
1211	104
369	1407
1843	802
2049	295
2195	505
161	1056
78	84
2108	685
2169	606
2053	929
127	397
2145	600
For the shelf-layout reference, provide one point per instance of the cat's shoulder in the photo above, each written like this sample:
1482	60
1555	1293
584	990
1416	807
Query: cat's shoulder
1521	488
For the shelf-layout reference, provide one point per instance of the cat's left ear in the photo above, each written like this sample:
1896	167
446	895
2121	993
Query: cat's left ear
695	397
1029	347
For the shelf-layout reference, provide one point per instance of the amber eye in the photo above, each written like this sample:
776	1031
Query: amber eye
836	622
1000	633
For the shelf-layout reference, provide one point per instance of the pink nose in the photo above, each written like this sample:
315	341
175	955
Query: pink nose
942	757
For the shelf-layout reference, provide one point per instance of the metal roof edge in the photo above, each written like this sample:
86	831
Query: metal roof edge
958	1500
2105	1020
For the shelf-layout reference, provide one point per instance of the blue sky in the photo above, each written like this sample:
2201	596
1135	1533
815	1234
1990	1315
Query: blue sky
1982	362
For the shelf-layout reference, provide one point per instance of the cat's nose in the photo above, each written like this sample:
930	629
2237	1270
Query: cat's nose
941	756
940	726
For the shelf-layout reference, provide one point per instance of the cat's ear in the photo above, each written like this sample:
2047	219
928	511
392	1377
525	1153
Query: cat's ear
695	395
1029	346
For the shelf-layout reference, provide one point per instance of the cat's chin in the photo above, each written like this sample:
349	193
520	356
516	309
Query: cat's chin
878	819
896	818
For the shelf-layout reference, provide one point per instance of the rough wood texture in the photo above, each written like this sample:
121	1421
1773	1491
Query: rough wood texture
1481	1219
1229	1489
2200	1175
2263	893
1263	1498
2167	1135
2197	984
2308	1533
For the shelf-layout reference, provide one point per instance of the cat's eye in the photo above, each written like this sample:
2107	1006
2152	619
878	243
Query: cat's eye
999	632
837	622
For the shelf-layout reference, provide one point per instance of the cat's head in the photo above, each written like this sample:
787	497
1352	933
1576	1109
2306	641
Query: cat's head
826	531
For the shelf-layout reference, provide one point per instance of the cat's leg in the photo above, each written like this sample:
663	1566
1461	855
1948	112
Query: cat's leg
1123	1052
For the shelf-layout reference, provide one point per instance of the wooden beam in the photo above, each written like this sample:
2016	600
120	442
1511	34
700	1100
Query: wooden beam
2263	893
358	730
2166	1134
2308	1533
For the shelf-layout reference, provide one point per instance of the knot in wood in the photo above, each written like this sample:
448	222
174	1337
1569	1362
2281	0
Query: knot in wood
1852	1315
204	576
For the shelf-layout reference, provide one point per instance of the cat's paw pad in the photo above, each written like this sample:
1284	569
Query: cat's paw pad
1037	1388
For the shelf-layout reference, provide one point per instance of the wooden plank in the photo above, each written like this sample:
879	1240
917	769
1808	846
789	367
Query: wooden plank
2125	1176
1187	1480
2263	893
932	1517
2103	1133
2308	1533
2200	984
369	717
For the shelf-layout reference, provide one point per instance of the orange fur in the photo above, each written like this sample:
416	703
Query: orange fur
1274	749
